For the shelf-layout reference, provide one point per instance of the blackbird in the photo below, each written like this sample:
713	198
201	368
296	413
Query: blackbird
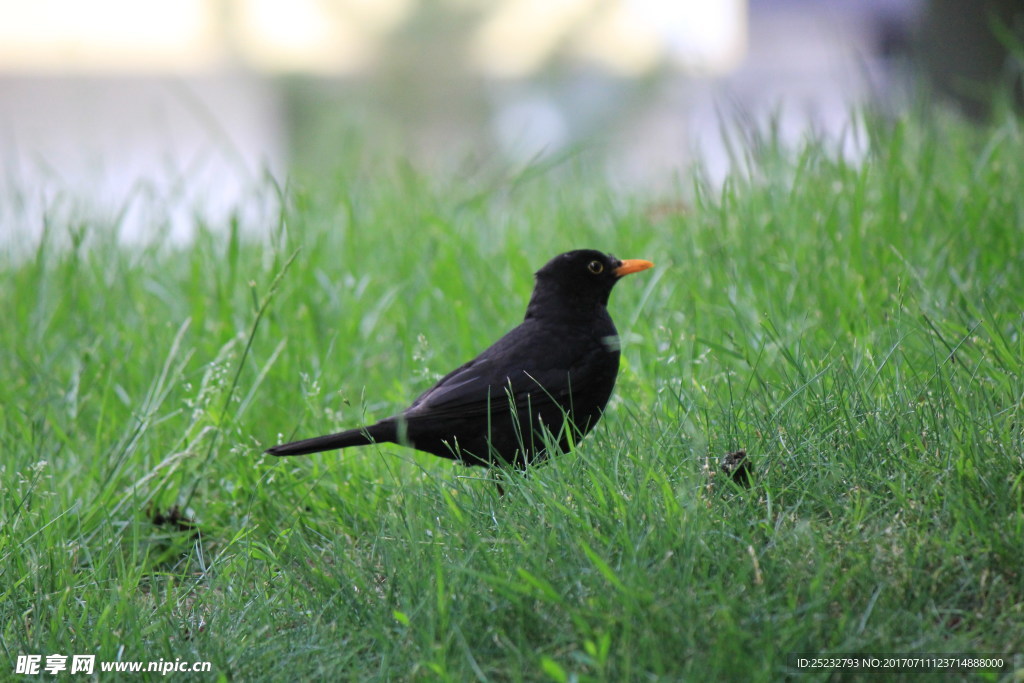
553	373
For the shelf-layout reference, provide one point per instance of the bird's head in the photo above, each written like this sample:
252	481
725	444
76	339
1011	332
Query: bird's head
580	279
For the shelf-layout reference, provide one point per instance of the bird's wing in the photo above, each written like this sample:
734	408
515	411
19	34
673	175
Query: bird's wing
514	367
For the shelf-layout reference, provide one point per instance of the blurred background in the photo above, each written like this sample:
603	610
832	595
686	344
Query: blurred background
146	112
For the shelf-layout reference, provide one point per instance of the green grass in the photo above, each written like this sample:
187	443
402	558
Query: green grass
857	328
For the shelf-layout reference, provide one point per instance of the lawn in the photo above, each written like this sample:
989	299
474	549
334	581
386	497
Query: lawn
855	326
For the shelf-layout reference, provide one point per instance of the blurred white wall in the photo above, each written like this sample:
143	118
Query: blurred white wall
150	112
150	152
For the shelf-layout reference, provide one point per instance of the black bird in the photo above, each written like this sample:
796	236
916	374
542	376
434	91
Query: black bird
554	372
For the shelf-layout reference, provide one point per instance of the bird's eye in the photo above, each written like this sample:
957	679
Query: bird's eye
595	267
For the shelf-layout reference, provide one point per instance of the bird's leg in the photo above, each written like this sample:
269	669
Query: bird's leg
499	477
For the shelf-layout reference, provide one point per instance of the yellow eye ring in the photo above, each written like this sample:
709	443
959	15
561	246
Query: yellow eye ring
595	267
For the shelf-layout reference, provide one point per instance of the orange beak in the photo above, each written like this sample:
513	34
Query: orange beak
632	265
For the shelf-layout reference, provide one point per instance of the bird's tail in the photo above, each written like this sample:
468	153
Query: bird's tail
353	437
